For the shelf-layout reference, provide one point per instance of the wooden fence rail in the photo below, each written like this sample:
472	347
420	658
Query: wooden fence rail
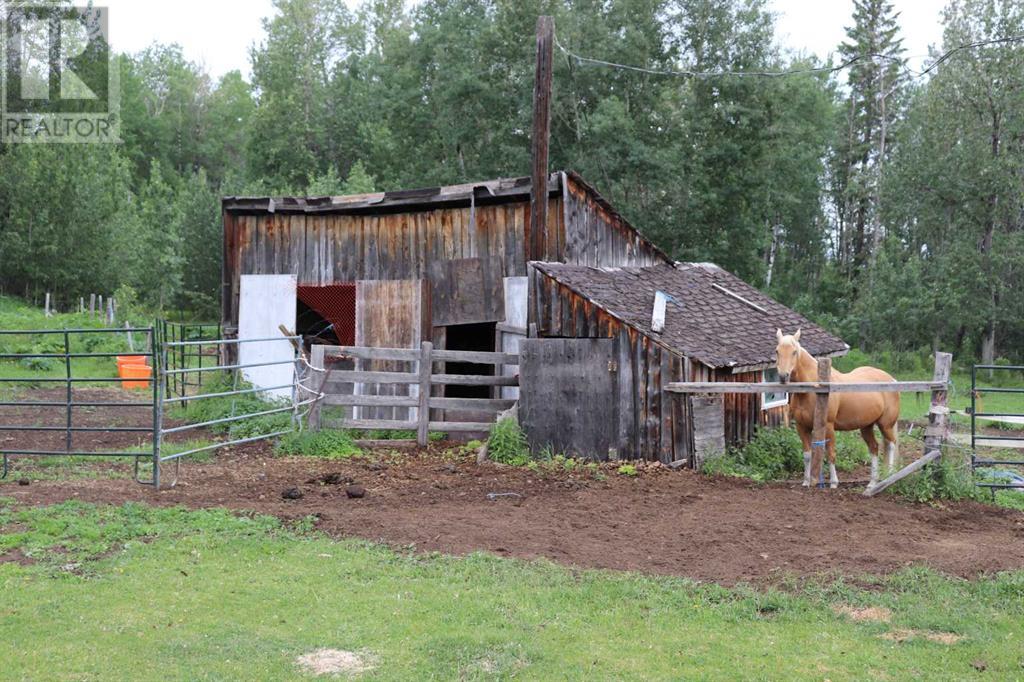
423	378
935	434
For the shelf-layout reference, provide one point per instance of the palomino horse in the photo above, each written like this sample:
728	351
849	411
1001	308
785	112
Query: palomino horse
846	411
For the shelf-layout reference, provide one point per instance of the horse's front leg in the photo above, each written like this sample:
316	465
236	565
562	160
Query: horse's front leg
805	438
833	478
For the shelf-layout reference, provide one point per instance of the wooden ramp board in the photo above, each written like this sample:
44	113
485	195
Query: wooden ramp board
568	395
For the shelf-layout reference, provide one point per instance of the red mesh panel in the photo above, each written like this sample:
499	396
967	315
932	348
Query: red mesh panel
336	303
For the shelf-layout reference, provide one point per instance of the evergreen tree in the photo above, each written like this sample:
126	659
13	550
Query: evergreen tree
875	83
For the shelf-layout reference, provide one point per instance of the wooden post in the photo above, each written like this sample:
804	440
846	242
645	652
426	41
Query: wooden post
131	341
423	412
81	304
540	139
820	434
936	432
46	311
938	414
92	305
109	320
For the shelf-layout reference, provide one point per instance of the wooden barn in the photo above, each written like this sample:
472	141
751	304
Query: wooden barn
444	264
462	267
713	327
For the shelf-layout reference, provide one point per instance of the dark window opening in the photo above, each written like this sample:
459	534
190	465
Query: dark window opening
475	337
312	327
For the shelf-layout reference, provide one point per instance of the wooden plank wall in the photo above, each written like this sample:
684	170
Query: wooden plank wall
568	396
331	248
467	291
597	237
334	248
652	425
389	314
743	413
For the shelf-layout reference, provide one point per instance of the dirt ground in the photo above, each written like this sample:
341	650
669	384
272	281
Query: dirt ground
662	521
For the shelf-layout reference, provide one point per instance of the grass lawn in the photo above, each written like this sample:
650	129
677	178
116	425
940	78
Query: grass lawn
140	593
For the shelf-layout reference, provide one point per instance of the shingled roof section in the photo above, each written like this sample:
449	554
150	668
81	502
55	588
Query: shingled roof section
713	316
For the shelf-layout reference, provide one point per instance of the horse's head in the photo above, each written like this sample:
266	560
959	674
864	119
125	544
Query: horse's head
787	354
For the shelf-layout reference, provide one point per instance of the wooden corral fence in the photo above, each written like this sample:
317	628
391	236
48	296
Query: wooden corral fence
415	381
938	414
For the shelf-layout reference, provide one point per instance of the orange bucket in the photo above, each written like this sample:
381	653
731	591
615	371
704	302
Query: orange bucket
134	375
130	360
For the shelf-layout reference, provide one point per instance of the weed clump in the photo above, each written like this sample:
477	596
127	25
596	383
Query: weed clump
325	444
507	443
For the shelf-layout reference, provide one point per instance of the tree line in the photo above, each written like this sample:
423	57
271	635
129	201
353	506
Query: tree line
883	203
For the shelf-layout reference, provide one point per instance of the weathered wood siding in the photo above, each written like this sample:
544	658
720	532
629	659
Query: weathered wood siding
743	413
567	396
334	248
651	424
595	234
342	246
390	314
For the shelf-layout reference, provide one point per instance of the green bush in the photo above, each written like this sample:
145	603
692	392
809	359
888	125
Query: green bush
951	478
326	444
774	453
507	443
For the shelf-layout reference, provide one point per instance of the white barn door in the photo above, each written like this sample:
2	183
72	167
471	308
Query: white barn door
265	302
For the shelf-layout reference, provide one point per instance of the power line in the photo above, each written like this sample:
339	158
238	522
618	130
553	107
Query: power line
686	73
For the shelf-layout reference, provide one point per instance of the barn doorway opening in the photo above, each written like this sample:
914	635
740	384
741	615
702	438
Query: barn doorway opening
476	337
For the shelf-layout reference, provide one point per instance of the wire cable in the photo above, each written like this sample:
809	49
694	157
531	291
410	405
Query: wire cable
686	73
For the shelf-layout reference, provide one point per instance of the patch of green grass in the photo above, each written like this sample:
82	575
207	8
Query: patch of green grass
171	594
212	409
326	444
395	434
80	467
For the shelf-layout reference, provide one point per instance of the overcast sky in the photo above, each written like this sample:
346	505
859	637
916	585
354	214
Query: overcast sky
219	33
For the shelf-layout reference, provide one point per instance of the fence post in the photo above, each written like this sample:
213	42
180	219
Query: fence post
819	435
46	311
938	414
92	305
316	359
423	415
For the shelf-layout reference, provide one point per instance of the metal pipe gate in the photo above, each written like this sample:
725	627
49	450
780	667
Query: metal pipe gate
173	381
69	404
988	463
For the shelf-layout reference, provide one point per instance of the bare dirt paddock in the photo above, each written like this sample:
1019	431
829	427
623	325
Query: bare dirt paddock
661	521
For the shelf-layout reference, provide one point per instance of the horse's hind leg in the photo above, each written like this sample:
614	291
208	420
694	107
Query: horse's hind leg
868	434
805	439
891	448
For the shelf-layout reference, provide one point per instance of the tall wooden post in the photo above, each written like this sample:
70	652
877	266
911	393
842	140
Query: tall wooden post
819	437
540	139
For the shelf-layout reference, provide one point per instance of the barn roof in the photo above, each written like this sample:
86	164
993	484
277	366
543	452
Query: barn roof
712	316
